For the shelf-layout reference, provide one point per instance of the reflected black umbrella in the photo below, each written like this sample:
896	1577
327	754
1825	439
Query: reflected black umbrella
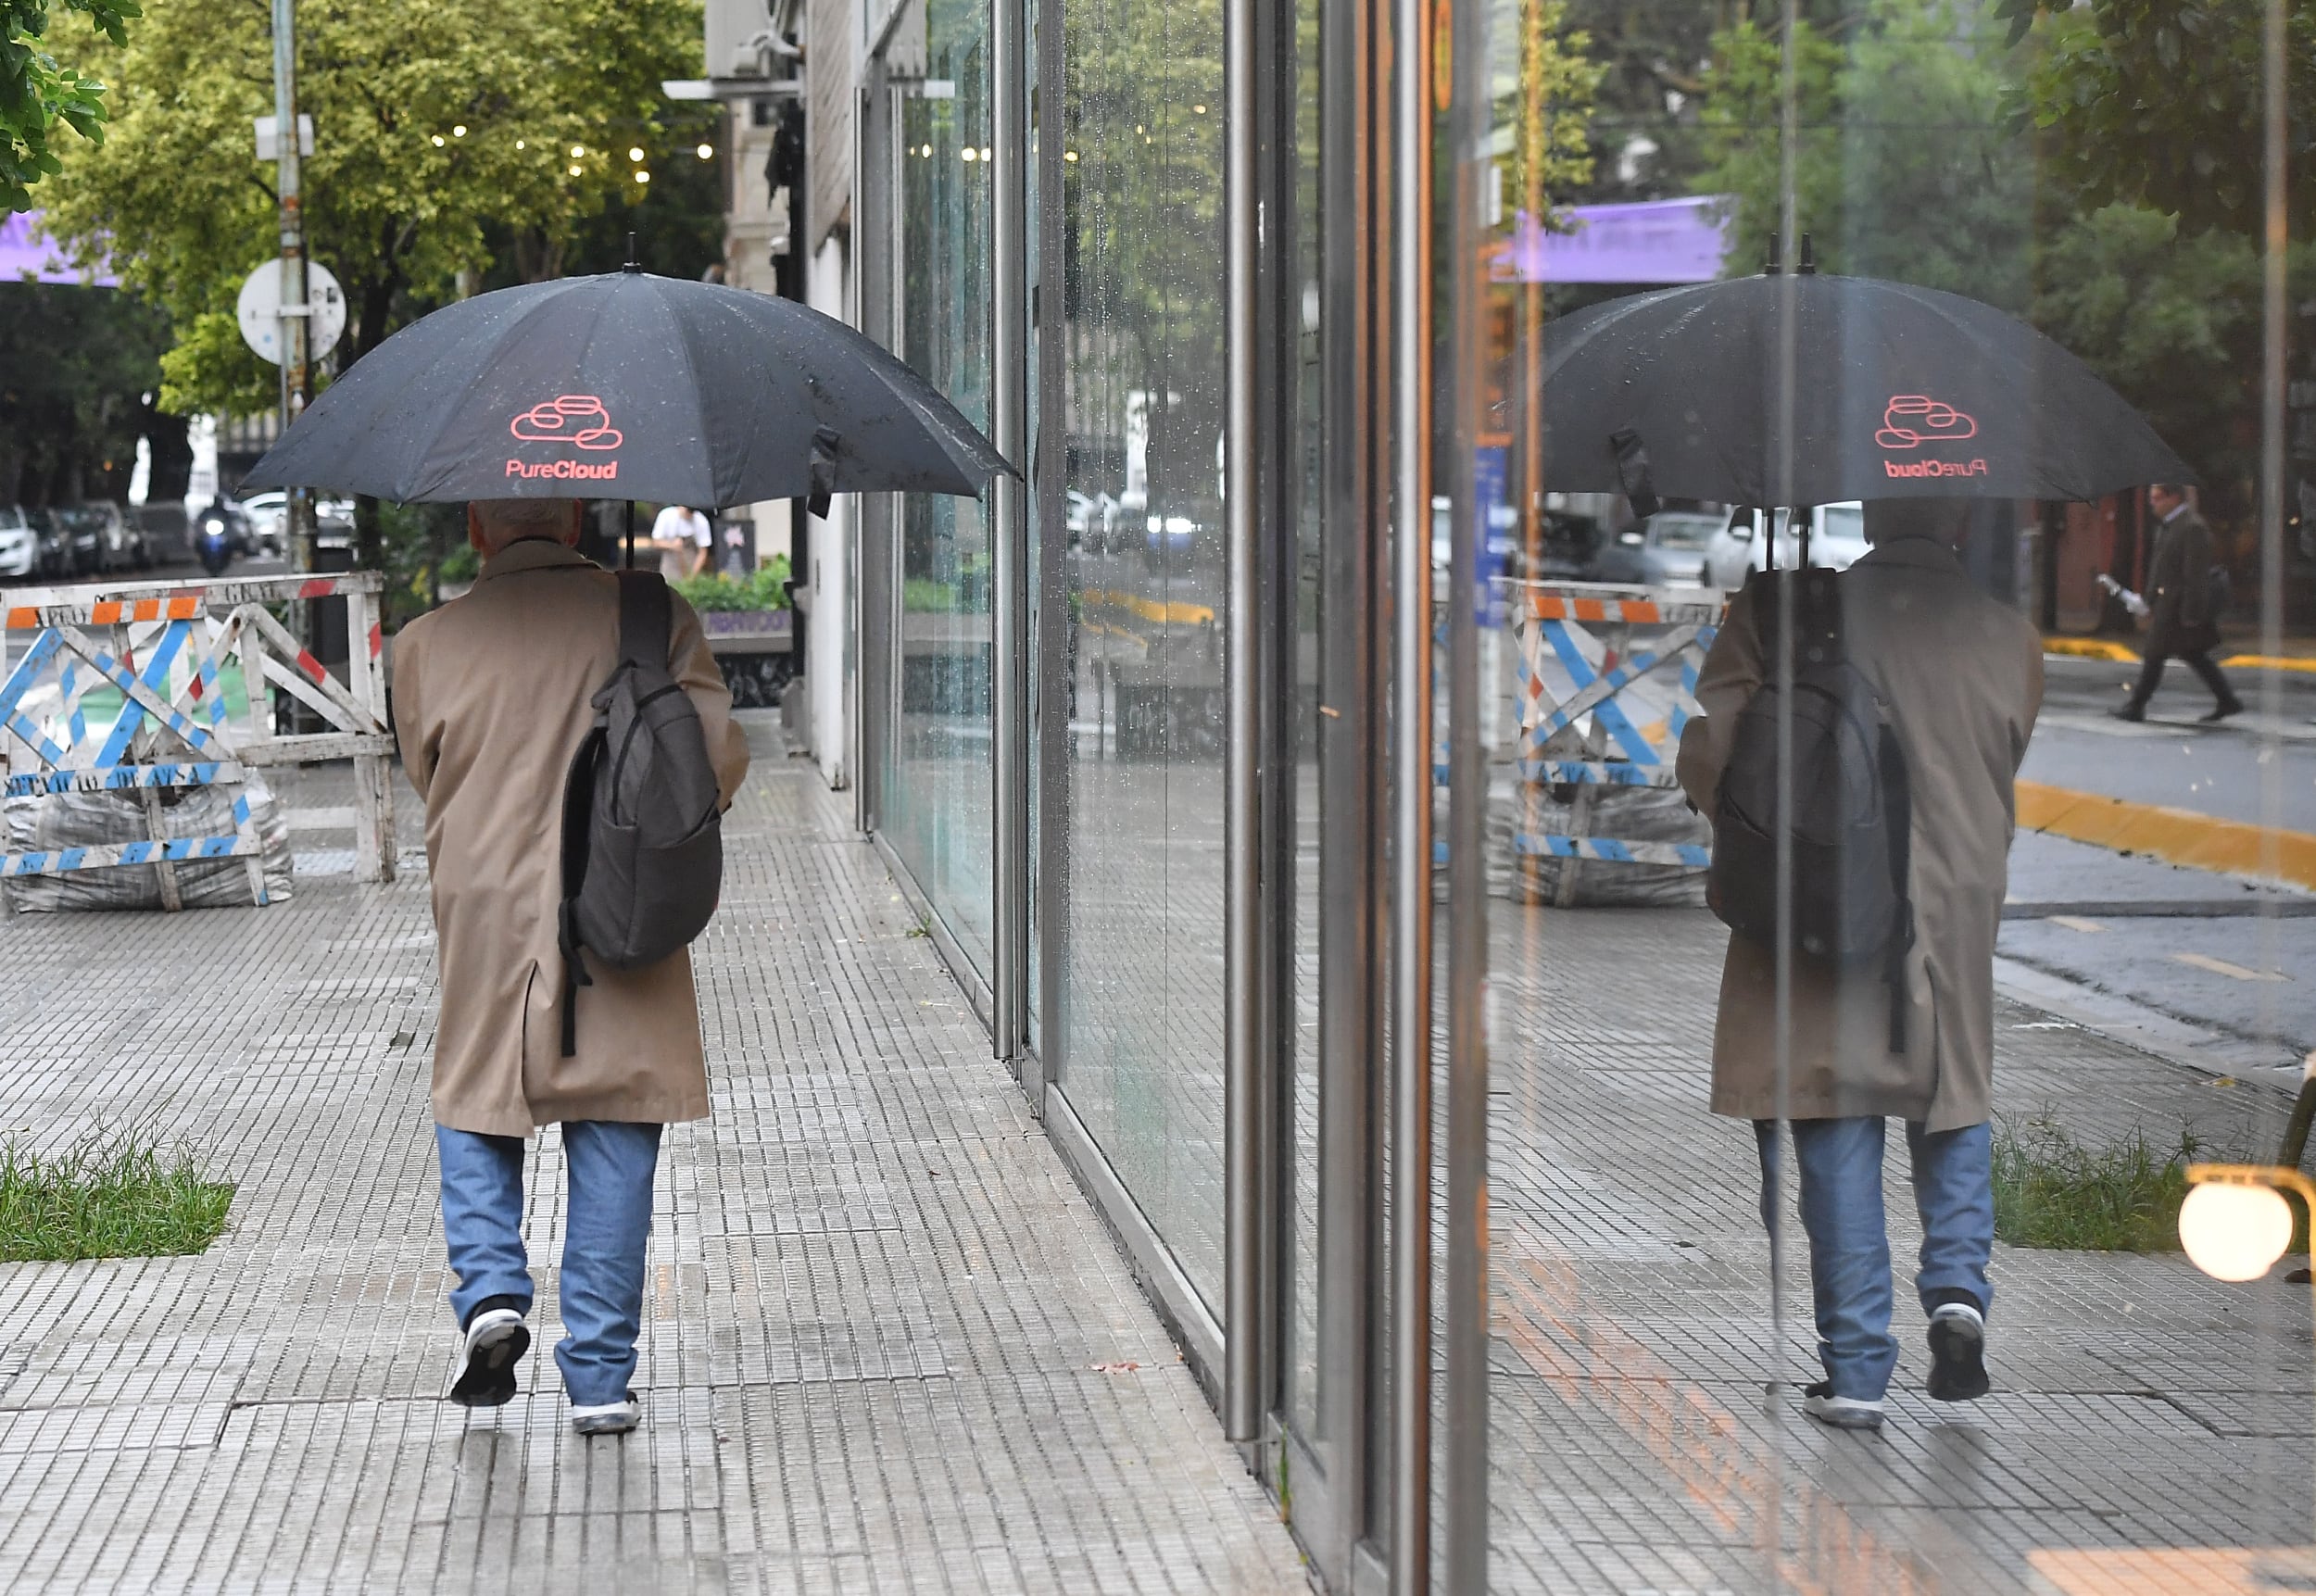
630	387
1897	392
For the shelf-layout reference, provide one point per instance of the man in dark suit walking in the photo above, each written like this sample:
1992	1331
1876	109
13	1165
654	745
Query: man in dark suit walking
2180	607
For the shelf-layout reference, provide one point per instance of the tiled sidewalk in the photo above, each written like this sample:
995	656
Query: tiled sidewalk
888	1345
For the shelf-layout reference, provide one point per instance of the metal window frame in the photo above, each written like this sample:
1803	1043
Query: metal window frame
1009	534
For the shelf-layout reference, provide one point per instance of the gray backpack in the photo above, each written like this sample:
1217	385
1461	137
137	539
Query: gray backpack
642	834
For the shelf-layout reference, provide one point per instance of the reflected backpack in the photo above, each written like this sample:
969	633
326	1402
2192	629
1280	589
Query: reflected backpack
643	832
1851	810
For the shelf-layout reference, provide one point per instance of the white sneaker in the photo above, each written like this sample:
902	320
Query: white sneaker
607	1419
1841	1412
488	1349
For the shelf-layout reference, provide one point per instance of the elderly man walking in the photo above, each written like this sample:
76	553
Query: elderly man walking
2181	618
491	700
1958	678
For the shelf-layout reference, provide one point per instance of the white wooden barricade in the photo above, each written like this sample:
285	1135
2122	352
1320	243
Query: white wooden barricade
1600	704
164	645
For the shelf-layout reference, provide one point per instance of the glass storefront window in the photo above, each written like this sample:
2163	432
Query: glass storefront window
937	798
1141	1062
1750	1238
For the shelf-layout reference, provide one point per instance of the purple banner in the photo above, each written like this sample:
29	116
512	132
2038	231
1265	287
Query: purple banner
1655	241
28	255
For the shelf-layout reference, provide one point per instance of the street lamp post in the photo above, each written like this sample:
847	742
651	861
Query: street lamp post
297	520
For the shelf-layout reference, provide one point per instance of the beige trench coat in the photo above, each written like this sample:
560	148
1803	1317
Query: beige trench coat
1960	676
490	701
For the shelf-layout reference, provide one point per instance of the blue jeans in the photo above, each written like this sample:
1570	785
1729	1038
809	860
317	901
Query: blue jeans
1849	1244
605	1221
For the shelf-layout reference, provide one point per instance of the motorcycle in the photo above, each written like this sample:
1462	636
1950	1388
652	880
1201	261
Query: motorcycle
213	540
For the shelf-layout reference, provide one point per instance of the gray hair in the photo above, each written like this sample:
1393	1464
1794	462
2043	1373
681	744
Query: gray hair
505	520
1890	519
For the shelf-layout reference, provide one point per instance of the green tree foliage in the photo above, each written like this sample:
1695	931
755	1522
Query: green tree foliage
2161	103
38	93
1653	57
1551	111
1905	165
1143	250
398	201
2172	320
74	365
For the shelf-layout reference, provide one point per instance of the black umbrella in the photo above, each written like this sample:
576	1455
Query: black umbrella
1897	392
630	387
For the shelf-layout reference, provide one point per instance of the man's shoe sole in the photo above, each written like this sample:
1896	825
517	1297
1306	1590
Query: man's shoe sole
1957	1352
494	1344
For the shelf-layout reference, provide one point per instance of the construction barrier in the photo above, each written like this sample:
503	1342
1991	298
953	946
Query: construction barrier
165	647
1607	677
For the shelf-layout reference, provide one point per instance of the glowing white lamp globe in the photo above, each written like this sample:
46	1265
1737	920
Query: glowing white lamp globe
2234	1232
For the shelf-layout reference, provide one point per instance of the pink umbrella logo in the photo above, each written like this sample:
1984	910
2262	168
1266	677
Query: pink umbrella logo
1910	421
579	420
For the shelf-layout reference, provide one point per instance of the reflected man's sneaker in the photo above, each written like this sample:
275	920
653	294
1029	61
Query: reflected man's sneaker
494	1341
1840	1413
1958	1353
610	1418
2221	711
2128	712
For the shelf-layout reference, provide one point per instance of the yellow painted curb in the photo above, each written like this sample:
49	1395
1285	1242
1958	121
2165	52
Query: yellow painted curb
2178	836
2090	648
1176	613
2271	663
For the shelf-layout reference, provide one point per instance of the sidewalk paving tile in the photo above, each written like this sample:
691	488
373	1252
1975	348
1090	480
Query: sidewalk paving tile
876	1307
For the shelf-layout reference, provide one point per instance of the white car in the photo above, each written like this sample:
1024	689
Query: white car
1837	537
19	544
264	511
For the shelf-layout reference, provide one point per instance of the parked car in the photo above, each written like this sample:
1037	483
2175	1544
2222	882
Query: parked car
1667	550
98	536
1093	522
19	544
331	516
55	543
140	540
1837	537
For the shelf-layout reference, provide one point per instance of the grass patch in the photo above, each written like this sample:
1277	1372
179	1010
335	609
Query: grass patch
112	1194
2051	1190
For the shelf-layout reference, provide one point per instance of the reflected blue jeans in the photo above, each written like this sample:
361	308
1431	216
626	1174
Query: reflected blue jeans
605	1221
1849	1242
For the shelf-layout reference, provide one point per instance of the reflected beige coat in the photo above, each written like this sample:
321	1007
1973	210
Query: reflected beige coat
490	701
1960	676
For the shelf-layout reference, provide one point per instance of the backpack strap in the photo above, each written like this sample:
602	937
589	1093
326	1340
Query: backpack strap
1897	798
647	619
578	800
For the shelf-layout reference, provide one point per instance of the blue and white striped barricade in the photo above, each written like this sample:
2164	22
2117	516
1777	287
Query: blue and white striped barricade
163	646
1607	679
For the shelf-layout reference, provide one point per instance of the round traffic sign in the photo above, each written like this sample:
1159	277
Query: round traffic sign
260	309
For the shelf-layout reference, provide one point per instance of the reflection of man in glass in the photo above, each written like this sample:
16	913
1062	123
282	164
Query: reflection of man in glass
2182	619
1958	677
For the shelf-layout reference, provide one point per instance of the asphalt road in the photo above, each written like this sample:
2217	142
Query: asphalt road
2196	951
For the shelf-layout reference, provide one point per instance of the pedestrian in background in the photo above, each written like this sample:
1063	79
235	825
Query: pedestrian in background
491	700
685	542
2182	619
1958	677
